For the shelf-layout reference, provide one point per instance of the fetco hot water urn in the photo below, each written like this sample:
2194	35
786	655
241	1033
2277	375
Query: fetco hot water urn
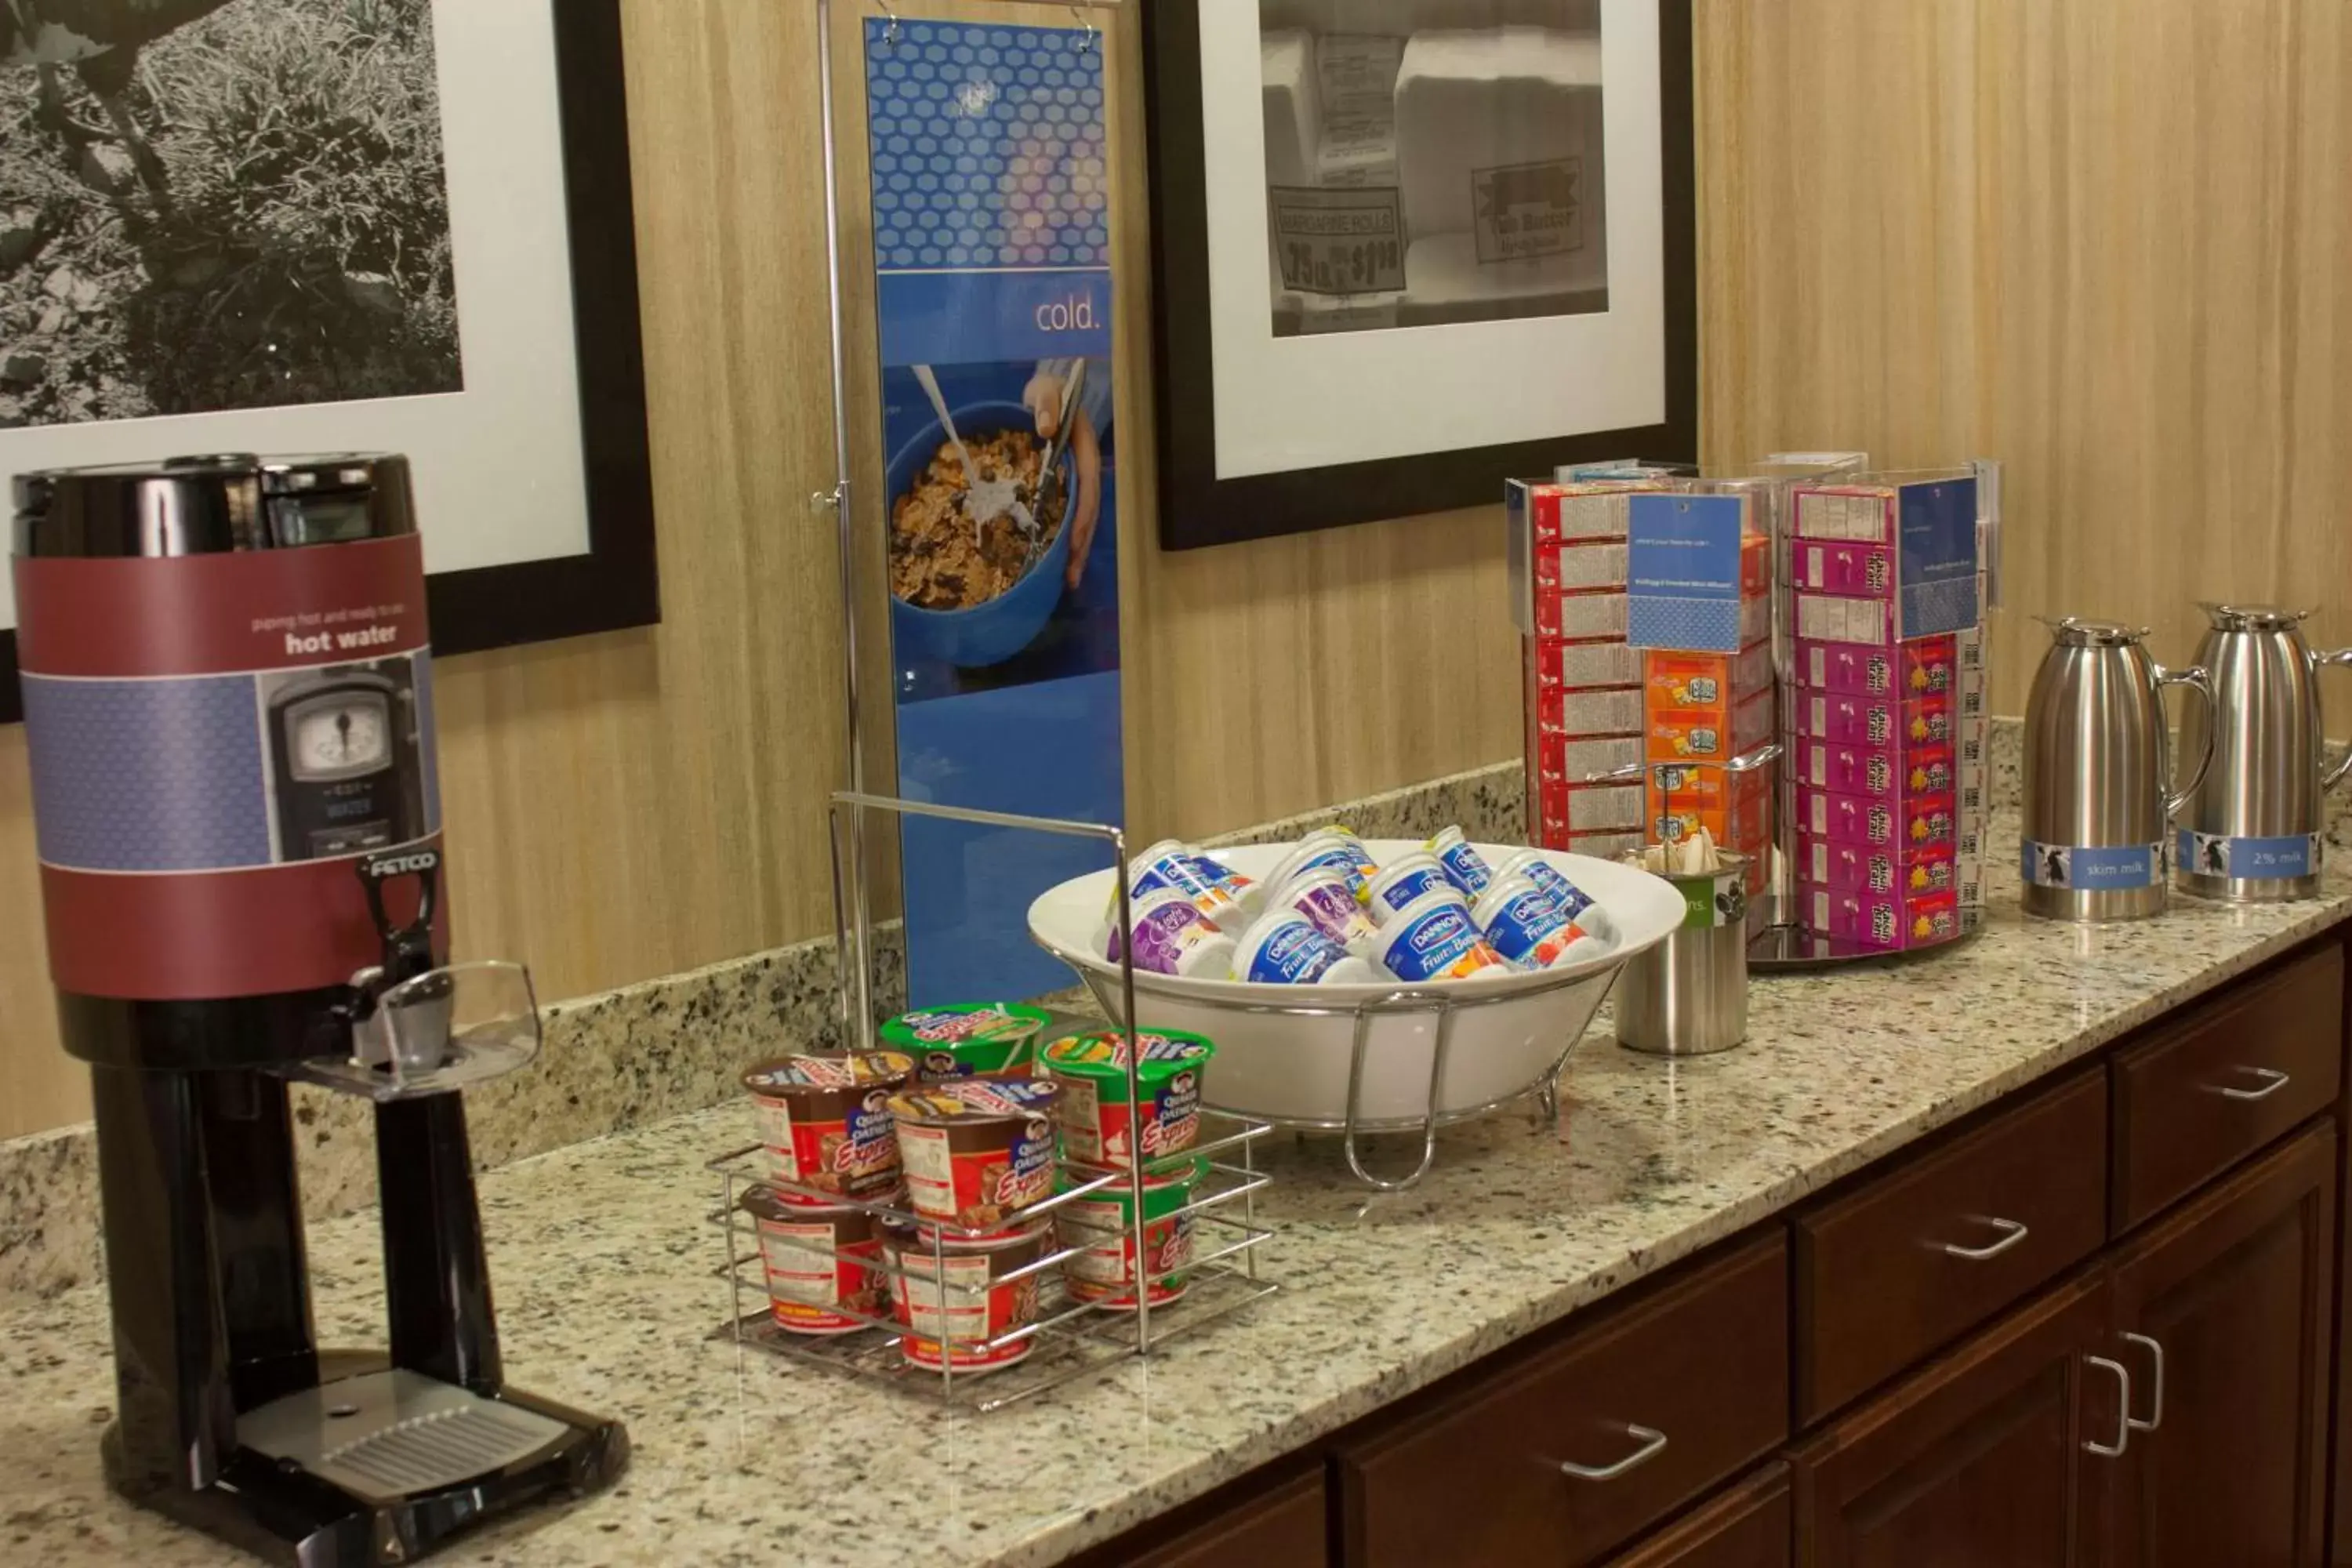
2097	768
228	711
2251	831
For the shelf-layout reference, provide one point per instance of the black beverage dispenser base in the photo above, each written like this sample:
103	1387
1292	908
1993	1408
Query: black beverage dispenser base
383	1467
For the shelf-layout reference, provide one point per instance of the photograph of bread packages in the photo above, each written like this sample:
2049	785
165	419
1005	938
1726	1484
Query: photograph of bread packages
1431	161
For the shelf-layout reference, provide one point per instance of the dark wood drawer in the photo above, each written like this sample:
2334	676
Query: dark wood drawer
1286	1528
1665	1398
2228	1077
1947	1240
1751	1526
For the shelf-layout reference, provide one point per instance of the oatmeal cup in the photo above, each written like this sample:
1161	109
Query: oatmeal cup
824	1124
1101	1226
978	1151
819	1263
968	1039
1097	1118
951	1302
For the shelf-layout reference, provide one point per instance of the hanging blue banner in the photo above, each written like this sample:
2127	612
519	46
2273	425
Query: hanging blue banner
992	247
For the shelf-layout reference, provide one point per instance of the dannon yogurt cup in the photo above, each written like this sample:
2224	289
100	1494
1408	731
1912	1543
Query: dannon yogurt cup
978	1151
1328	898
1525	924
1318	854
824	1122
1573	900
1434	939
952	1295
1173	937
818	1261
1097	1118
1410	876
1466	868
1174	867
1285	948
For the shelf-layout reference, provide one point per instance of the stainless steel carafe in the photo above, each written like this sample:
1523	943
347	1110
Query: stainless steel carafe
2250	830
2098	763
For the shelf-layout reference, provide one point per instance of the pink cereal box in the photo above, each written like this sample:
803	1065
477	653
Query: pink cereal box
1850	869
1891	920
1832	566
1847	669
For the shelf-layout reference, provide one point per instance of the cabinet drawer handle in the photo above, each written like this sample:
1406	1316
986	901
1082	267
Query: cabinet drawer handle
1653	1443
2013	1231
2273	1081
2123	1406
2155	1389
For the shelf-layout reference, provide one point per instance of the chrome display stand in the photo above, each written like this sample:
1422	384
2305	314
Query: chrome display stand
1068	1336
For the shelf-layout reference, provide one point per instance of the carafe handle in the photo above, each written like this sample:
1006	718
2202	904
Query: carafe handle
2195	676
2334	775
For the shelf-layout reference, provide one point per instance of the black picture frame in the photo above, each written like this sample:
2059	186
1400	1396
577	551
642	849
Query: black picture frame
615	584
1197	508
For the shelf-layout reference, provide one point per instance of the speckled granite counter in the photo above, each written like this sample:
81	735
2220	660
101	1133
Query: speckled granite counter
604	1276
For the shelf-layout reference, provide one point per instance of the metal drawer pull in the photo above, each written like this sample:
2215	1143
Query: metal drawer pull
1653	1443
2123	1387
2273	1081
2156	1393
2013	1231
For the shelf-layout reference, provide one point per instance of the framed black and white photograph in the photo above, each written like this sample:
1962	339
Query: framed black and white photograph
307	226
1372	218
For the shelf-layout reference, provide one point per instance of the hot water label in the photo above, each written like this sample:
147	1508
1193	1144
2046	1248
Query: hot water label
2238	859
2092	868
215	741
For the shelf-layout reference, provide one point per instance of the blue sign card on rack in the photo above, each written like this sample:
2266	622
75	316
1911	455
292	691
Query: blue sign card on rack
1682	571
992	247
1935	544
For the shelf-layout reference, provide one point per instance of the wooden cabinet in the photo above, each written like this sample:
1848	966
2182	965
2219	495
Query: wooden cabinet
1561	1457
2225	1313
1984	1457
2234	1074
1911	1258
1285	1528
1748	1527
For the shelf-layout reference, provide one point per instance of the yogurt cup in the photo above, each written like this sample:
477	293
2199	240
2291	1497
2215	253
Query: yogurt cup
1101	1226
965	1038
1465	865
1525	924
1433	937
1360	856
1314	853
978	1151
1409	877
951	1301
1242	890
1173	866
1098	1119
1285	948
824	1124
1173	937
1573	900
1328	898
819	1263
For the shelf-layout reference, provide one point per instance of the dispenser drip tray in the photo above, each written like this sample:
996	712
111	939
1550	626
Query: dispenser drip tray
384	1437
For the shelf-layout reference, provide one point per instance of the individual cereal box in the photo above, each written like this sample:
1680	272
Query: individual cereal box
1576	664
1845	668
1683	736
1569	809
1703	683
1891	920
1581	759
1835	567
1582	564
1930	665
1832	618
1735	808
1925	769
1850	867
1873	720
1896	821
1584	613
1589	711
1599	845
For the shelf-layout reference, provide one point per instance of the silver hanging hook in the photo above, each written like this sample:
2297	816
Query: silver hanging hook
890	31
1086	44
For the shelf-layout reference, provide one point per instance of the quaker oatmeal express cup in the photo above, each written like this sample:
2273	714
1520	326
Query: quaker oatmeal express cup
817	1261
978	1151
824	1124
1097	1118
955	1300
1101	1225
968	1038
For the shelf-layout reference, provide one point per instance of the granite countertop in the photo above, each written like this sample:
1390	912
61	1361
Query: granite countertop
604	1271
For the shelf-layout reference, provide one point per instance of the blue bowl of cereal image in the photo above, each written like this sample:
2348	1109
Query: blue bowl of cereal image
970	595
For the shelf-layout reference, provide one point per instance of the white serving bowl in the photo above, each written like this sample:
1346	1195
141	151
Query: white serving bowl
1508	1034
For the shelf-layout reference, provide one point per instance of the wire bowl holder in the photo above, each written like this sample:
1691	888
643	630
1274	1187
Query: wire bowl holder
1069	1333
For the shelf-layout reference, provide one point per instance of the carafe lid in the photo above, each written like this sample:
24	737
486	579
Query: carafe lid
2072	631
2251	618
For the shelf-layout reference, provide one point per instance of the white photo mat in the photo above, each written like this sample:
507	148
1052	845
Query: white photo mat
1313	401
497	466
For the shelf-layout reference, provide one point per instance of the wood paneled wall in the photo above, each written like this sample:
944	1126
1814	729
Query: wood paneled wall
2102	239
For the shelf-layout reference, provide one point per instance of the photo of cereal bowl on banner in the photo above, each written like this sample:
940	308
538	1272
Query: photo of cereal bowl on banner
998	494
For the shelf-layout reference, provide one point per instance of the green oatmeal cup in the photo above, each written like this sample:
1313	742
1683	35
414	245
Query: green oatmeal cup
1096	1118
968	1039
1101	1227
